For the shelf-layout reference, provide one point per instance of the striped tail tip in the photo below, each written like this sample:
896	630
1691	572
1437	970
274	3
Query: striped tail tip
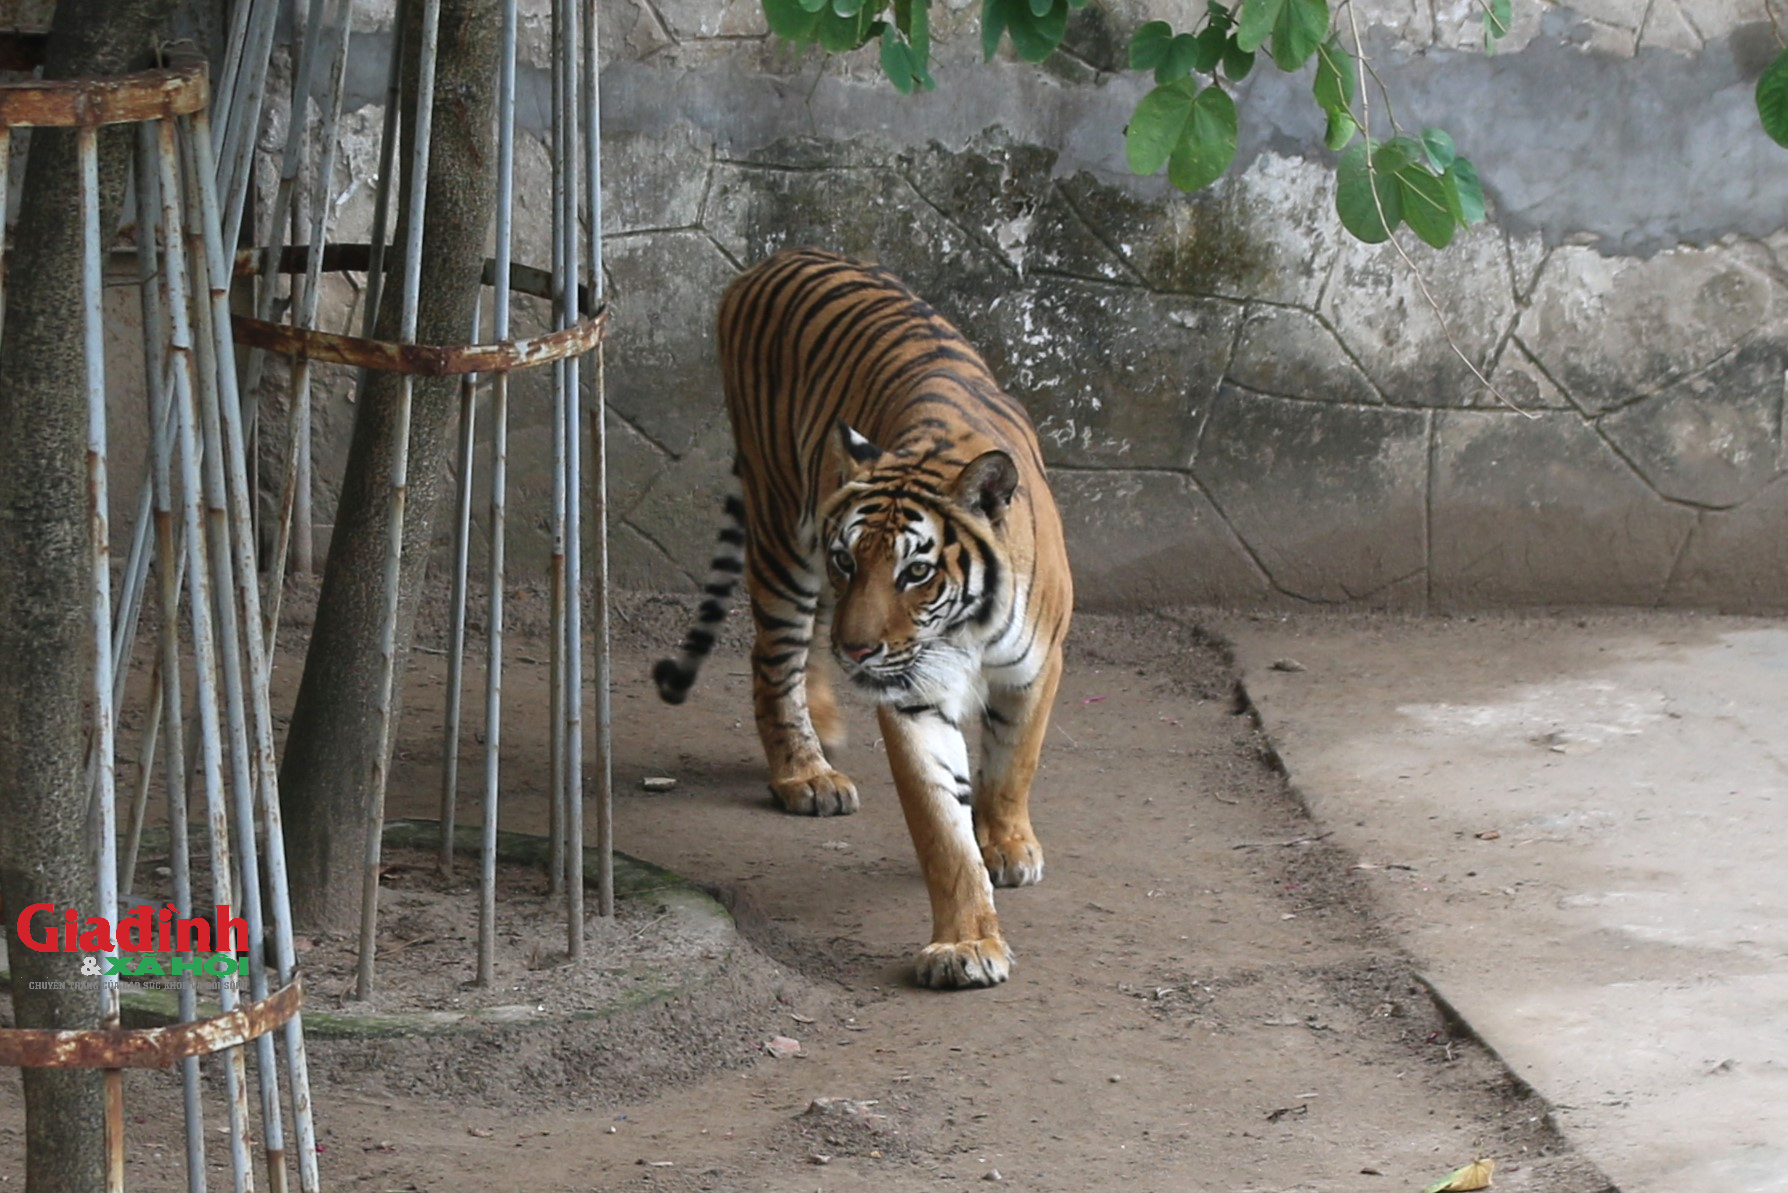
673	680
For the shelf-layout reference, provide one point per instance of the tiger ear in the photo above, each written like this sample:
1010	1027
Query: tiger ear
986	485
853	450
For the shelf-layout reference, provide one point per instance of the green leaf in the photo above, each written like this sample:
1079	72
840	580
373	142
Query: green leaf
1258	19
1219	15
1772	99
1335	72
1300	29
1040	8
1207	143
1440	149
813	5
1148	45
897	62
1395	154
1369	219
1181	60
993	26
903	61
1466	191
788	18
1155	127
1497	16
1237	62
1036	37
1210	46
918	38
847	8
1342	127
1426	206
838	34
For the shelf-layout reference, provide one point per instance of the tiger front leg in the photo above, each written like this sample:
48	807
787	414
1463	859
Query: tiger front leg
1014	723
930	763
802	780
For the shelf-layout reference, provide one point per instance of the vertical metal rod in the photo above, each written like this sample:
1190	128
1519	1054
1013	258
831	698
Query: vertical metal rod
573	414
556	577
148	204
266	769
291	164
198	577
100	544
210	295
5	191
499	480
303	540
241	103
381	229
598	484
456	646
400	467
233	52
169	574
139	804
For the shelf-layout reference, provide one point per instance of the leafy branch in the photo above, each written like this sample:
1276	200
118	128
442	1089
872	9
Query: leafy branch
1189	125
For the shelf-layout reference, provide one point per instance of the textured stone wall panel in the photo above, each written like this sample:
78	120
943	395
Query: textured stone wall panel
1538	511
1329	498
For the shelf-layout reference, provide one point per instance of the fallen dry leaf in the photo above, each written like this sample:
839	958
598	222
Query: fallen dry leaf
1475	1175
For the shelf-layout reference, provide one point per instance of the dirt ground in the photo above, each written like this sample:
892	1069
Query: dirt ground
1203	1000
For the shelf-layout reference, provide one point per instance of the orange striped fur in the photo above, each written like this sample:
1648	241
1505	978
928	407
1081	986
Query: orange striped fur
886	479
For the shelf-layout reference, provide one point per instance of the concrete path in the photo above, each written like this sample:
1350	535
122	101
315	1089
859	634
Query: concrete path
1580	826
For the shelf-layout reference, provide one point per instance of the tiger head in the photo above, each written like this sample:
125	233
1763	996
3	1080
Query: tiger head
913	549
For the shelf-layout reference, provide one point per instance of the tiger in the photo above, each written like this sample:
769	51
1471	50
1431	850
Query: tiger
886	479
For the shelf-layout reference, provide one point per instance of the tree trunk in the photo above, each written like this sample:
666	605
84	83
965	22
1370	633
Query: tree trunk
46	579
326	778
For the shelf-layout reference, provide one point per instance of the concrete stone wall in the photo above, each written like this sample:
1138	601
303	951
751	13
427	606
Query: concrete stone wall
1240	404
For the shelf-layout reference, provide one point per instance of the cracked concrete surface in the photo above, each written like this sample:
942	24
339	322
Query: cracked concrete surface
1578	826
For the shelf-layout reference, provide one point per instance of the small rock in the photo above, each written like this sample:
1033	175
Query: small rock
992	1174
1114	1078
657	783
1288	665
781	1046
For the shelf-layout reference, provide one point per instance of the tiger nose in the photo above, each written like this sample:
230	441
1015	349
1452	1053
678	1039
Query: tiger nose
856	652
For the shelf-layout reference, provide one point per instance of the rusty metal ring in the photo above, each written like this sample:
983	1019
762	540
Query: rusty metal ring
427	360
147	1048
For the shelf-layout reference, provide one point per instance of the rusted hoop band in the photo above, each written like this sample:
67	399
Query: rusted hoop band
122	99
147	1048
425	360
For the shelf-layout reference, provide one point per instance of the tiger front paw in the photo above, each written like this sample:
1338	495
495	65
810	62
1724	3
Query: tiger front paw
1016	860
826	792
964	964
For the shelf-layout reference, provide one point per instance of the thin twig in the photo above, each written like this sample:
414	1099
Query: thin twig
1359	50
